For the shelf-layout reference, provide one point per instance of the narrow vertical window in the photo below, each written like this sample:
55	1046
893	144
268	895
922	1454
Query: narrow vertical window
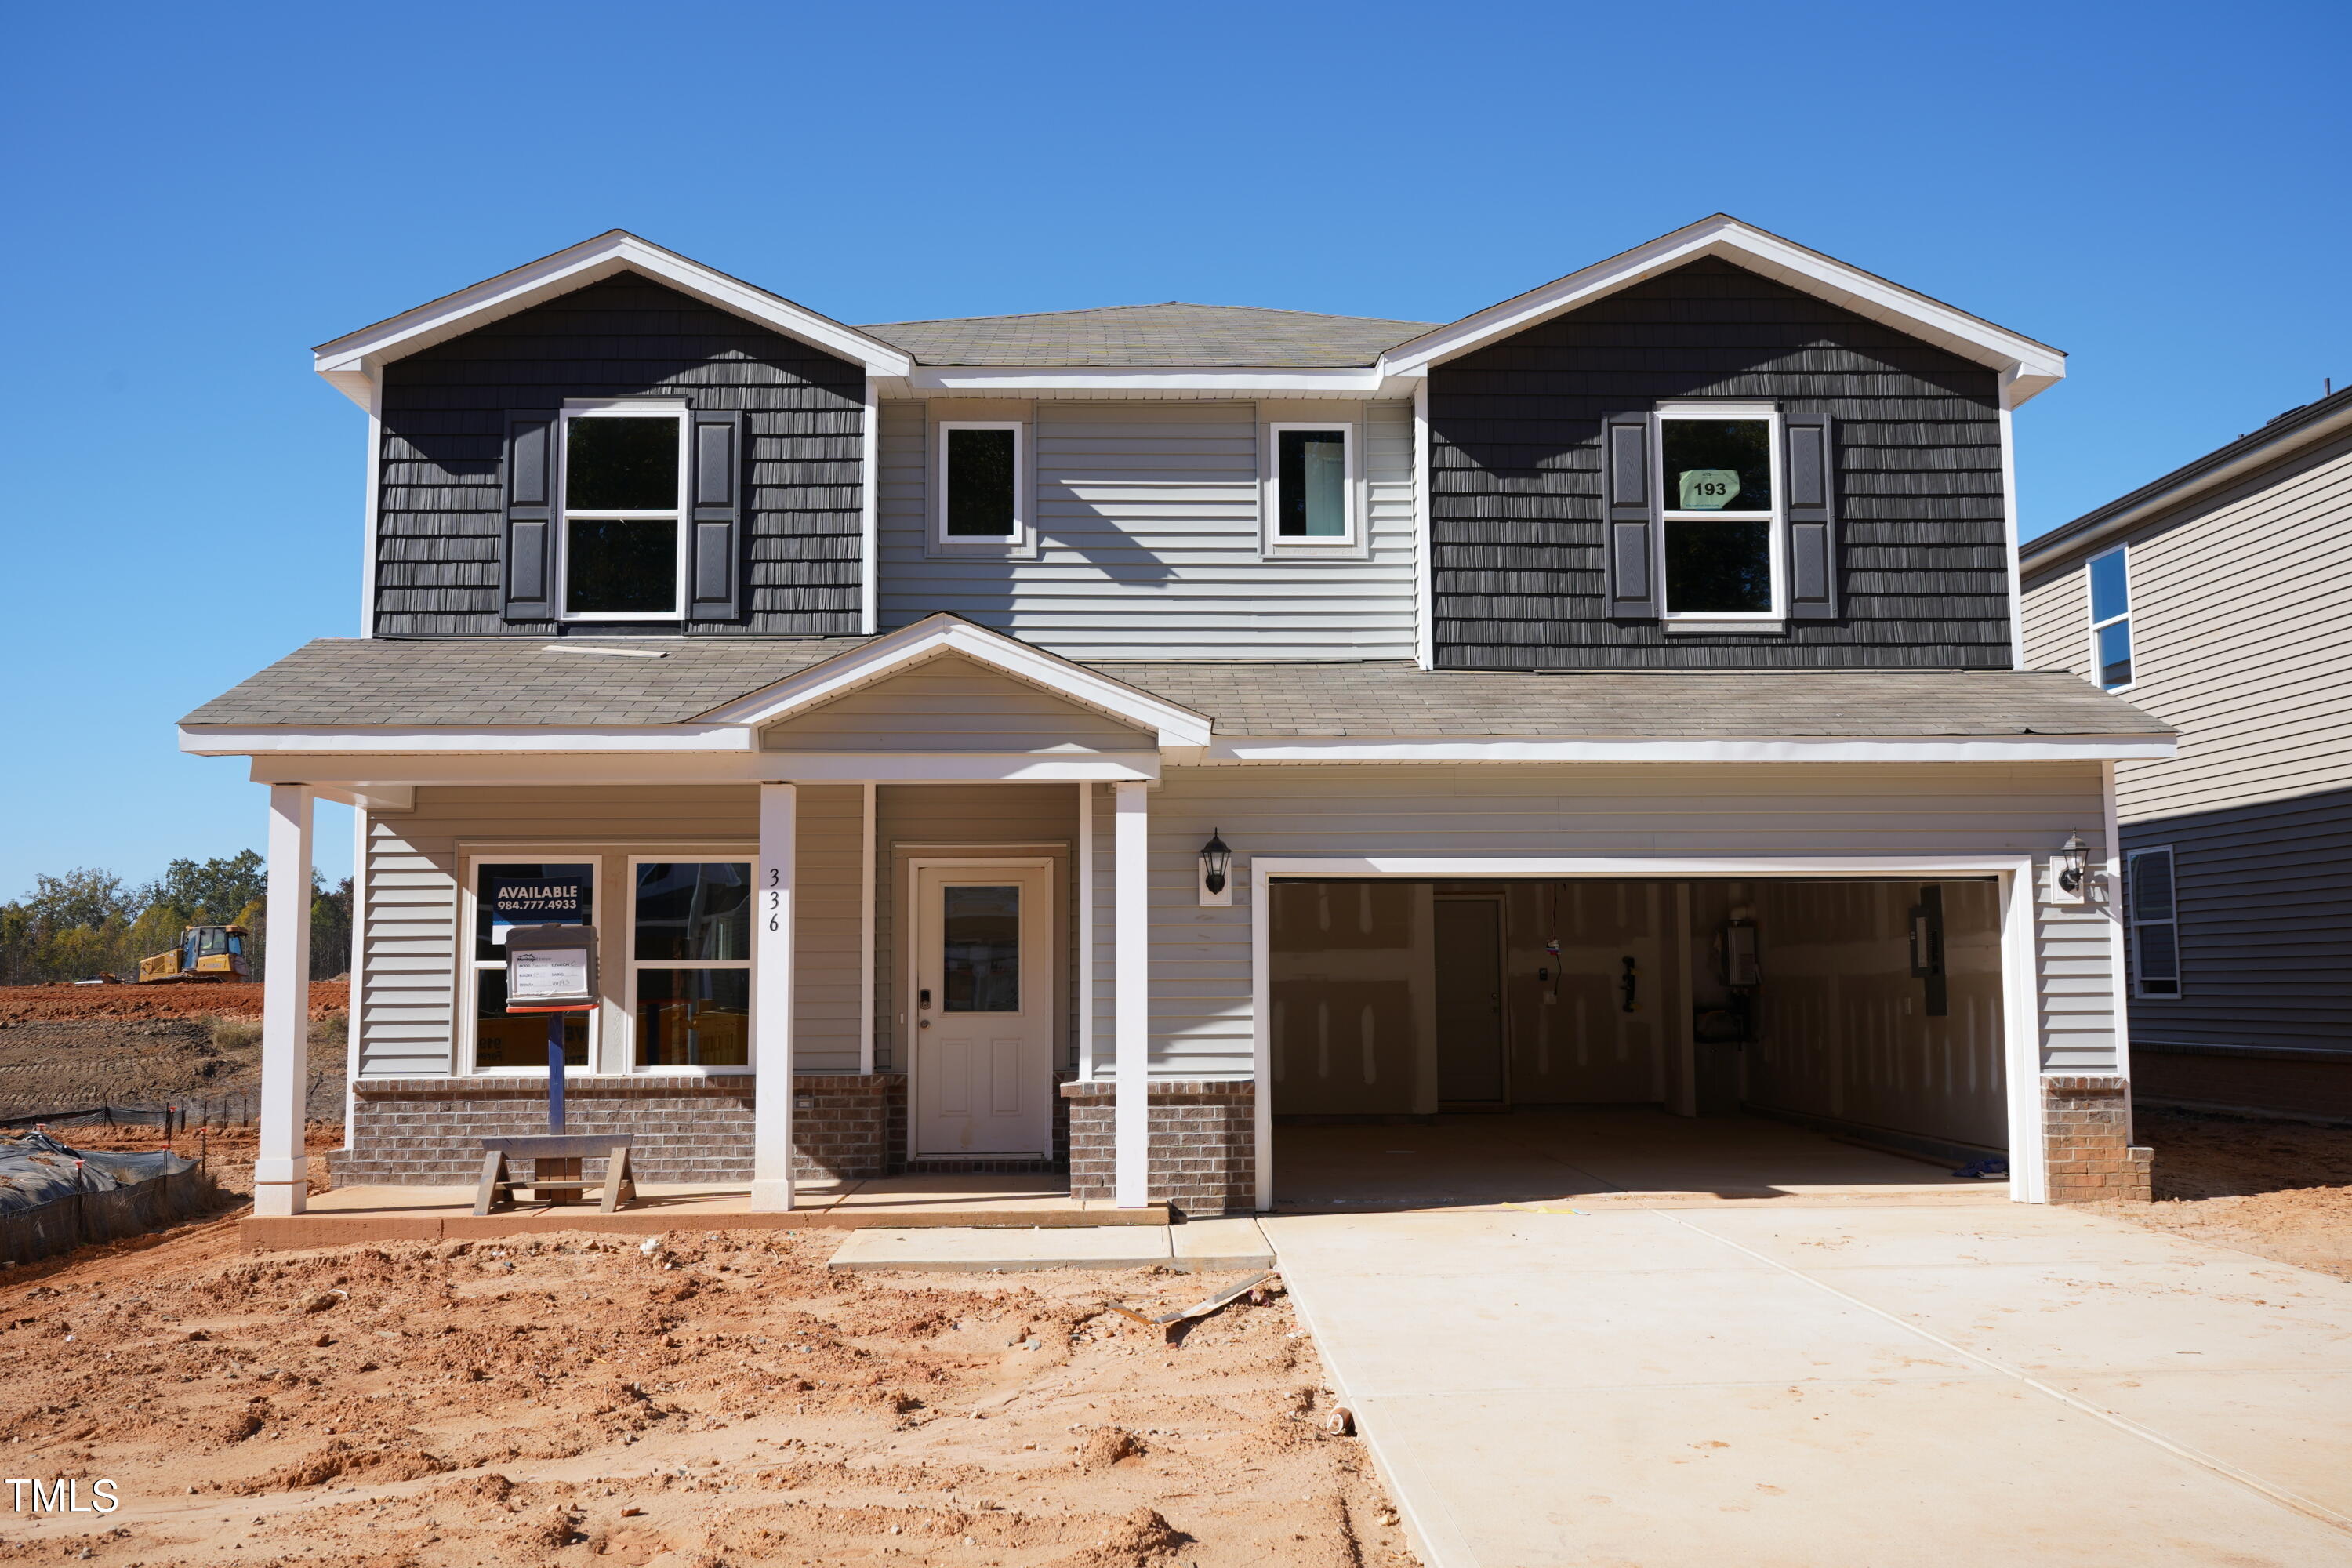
622	488
2111	639
1721	508
509	893
1311	500
2155	924
980	483
691	964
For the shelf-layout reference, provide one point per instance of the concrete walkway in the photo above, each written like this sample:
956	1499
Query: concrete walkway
1820	1388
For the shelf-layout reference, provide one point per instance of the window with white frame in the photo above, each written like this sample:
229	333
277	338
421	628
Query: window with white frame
1311	487
690	962
2155	922
1720	486
980	480
2111	633
509	893
622	540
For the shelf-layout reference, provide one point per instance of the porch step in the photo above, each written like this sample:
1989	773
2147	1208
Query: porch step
1199	1246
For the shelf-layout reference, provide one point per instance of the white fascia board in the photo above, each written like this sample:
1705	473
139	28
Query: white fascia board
386	776
1666	865
347	361
1234	381
260	740
2034	366
1668	748
943	634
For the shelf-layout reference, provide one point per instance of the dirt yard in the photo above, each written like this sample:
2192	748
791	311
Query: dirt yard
53	1003
66	1047
2279	1189
717	1399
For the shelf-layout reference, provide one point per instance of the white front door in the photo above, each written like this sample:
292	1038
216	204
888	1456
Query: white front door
984	1010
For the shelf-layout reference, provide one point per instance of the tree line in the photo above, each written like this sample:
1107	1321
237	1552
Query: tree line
85	923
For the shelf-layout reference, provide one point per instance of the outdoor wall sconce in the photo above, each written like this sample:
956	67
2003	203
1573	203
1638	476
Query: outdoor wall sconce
1216	868
2075	870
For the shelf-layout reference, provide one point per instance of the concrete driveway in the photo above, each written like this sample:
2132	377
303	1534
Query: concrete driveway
1817	1387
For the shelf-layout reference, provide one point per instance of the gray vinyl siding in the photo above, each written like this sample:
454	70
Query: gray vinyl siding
409	994
1515	480
440	500
1147	517
2239	602
952	704
1201	973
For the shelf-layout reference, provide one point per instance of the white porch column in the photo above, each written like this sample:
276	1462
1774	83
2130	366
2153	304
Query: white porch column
772	1011
1130	987
281	1175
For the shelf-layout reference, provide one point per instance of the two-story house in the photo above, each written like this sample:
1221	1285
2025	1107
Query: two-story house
2216	597
1104	740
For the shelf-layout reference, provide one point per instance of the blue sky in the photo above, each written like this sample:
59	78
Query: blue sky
198	195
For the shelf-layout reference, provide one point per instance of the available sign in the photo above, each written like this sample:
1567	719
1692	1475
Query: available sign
537	900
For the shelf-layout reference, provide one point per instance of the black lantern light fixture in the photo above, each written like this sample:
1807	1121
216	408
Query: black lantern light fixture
1216	859
2077	864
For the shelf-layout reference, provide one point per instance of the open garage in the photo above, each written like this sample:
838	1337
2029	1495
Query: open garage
1509	1039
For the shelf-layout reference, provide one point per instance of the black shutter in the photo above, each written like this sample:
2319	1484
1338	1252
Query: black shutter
526	559
716	488
1629	511
1812	518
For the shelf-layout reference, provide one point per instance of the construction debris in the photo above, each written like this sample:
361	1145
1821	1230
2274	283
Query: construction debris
1168	1323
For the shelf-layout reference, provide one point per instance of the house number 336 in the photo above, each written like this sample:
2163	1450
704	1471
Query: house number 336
775	898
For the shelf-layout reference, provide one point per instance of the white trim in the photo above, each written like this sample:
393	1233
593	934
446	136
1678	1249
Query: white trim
426	739
2011	529
869	512
1669	749
1773	517
368	774
281	1167
355	1002
909	966
2125	618
347	362
1350	543
1131	995
1261	1029
1083	960
2020	1013
775	919
374	516
1022	541
2033	366
736	854
463	1043
2132	921
2112	883
1424	533
670	408
944	633
868	922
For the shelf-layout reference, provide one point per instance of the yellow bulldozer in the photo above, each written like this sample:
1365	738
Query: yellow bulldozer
205	953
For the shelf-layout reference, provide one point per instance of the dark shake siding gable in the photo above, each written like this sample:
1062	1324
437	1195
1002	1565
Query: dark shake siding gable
441	510
1515	481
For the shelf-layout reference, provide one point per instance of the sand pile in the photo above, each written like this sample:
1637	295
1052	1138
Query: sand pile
714	1398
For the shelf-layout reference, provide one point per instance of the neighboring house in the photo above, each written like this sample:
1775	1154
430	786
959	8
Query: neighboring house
885	697
2216	598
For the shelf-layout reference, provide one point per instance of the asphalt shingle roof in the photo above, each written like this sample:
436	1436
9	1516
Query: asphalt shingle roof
500	680
1170	334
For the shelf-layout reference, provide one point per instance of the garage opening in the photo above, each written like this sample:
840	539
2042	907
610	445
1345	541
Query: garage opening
1437	1042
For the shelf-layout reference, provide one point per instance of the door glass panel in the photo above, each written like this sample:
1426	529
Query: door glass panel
980	949
688	910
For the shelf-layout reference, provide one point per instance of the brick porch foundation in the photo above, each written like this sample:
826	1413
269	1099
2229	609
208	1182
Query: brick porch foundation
2086	1134
426	1131
1203	1145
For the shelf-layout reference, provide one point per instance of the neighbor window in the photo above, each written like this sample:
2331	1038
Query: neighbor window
2111	640
509	893
622	483
1312	496
2155	924
690	962
979	474
1721	510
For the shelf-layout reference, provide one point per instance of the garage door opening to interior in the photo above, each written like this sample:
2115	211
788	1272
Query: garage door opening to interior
1435	1042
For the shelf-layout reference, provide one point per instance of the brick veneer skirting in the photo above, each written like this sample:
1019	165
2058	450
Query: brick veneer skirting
2086	1132
425	1131
1203	1145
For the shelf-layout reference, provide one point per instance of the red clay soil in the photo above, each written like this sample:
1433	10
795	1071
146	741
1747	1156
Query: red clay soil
2279	1189
705	1399
190	999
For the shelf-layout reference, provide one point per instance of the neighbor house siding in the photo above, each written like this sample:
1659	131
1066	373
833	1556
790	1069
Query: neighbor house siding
1201	974
2239	603
1515	480
1147	518
409	981
440	514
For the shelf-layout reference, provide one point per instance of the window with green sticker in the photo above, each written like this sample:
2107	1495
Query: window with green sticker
1718	495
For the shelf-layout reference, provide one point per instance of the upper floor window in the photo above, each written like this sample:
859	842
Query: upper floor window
1311	490
2111	640
1720	492
621	542
982	480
